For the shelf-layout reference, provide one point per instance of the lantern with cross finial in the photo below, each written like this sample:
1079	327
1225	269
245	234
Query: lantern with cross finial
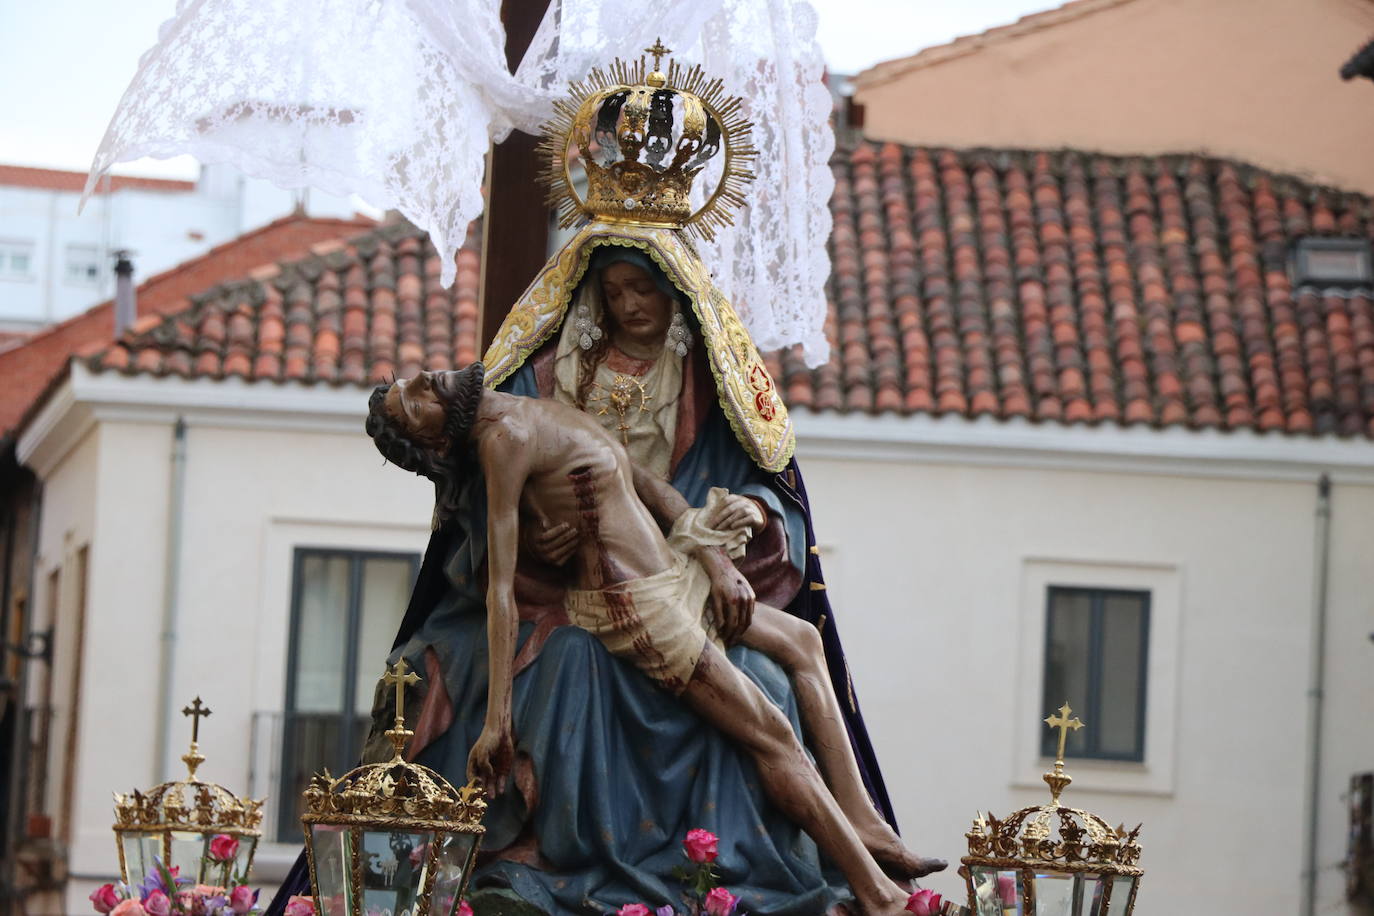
391	837
1051	860
204	831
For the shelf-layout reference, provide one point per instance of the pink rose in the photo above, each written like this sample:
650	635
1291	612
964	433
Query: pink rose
700	845
105	898
720	902
157	904
924	902
242	899
129	908
464	909
223	847
1006	890
300	906
634	909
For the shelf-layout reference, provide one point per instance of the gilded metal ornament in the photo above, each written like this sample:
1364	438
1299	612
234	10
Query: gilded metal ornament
1053	838
186	806
626	395
643	137
397	797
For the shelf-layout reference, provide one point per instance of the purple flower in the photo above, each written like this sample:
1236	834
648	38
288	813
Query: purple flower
664	911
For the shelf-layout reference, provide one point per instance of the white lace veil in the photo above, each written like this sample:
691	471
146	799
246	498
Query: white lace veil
397	101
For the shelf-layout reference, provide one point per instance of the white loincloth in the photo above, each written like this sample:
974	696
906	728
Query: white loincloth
661	623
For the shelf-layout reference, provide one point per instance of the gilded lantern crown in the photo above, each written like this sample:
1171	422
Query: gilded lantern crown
378	794
1035	844
643	136
190	803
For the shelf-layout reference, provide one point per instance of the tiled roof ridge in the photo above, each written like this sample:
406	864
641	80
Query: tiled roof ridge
30	176
1175	163
343	314
968	44
1079	287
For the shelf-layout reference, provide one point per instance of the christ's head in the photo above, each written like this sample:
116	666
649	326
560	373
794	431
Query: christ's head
423	423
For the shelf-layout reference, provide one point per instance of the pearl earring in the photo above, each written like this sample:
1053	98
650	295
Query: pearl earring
588	331
679	339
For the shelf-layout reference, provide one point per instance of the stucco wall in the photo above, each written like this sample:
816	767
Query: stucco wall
1254	80
251	497
937	571
947	670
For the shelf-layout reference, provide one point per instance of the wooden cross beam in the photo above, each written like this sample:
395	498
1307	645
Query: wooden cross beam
515	224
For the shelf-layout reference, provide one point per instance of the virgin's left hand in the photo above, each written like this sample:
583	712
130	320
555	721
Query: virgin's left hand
735	512
732	597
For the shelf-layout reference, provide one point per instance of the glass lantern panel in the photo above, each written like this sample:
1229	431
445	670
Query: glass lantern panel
140	852
1090	894
997	892
450	872
1121	895
191	854
393	864
1054	894
329	844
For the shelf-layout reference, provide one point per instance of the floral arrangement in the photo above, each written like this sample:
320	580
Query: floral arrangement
704	895
164	892
301	905
925	902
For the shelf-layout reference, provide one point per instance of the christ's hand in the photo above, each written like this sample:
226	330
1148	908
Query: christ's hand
732	597
491	758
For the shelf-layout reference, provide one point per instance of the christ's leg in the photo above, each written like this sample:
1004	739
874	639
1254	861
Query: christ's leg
796	645
719	693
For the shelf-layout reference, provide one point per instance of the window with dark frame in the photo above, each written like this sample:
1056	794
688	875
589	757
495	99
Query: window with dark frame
1096	650
345	608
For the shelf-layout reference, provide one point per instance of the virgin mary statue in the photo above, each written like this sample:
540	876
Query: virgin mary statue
625	323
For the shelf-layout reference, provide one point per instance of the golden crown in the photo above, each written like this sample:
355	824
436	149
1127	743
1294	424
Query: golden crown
643	136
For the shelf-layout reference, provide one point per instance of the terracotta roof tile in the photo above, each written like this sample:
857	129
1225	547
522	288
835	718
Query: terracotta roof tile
1068	286
1085	288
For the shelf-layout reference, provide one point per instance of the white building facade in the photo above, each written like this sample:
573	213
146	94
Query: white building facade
201	516
55	263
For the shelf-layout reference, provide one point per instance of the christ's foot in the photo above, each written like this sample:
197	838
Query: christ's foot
895	859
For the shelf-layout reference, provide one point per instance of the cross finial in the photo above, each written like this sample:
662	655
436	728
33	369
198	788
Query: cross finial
1064	724
399	676
658	51
197	711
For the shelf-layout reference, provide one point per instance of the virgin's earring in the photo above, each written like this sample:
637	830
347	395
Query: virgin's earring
588	331
678	339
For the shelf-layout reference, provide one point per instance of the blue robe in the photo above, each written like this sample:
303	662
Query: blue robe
623	769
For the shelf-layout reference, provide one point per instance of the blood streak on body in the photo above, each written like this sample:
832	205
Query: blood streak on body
606	573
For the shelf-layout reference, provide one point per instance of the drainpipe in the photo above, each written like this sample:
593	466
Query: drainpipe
176	505
1316	693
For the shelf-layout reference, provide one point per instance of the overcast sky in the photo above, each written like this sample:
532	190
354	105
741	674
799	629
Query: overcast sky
65	63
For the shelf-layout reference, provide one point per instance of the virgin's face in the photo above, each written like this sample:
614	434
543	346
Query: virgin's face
641	312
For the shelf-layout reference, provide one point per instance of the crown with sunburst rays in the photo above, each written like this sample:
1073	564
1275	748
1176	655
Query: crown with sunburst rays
642	137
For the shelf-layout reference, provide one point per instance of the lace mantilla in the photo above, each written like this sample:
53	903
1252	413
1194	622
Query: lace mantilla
397	101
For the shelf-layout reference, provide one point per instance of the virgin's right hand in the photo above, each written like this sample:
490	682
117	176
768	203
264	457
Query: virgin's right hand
552	544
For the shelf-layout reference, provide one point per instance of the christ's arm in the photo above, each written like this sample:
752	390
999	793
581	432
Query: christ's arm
503	453
732	597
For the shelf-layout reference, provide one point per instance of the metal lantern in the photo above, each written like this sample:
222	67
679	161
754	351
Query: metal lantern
1050	860
202	829
391	837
